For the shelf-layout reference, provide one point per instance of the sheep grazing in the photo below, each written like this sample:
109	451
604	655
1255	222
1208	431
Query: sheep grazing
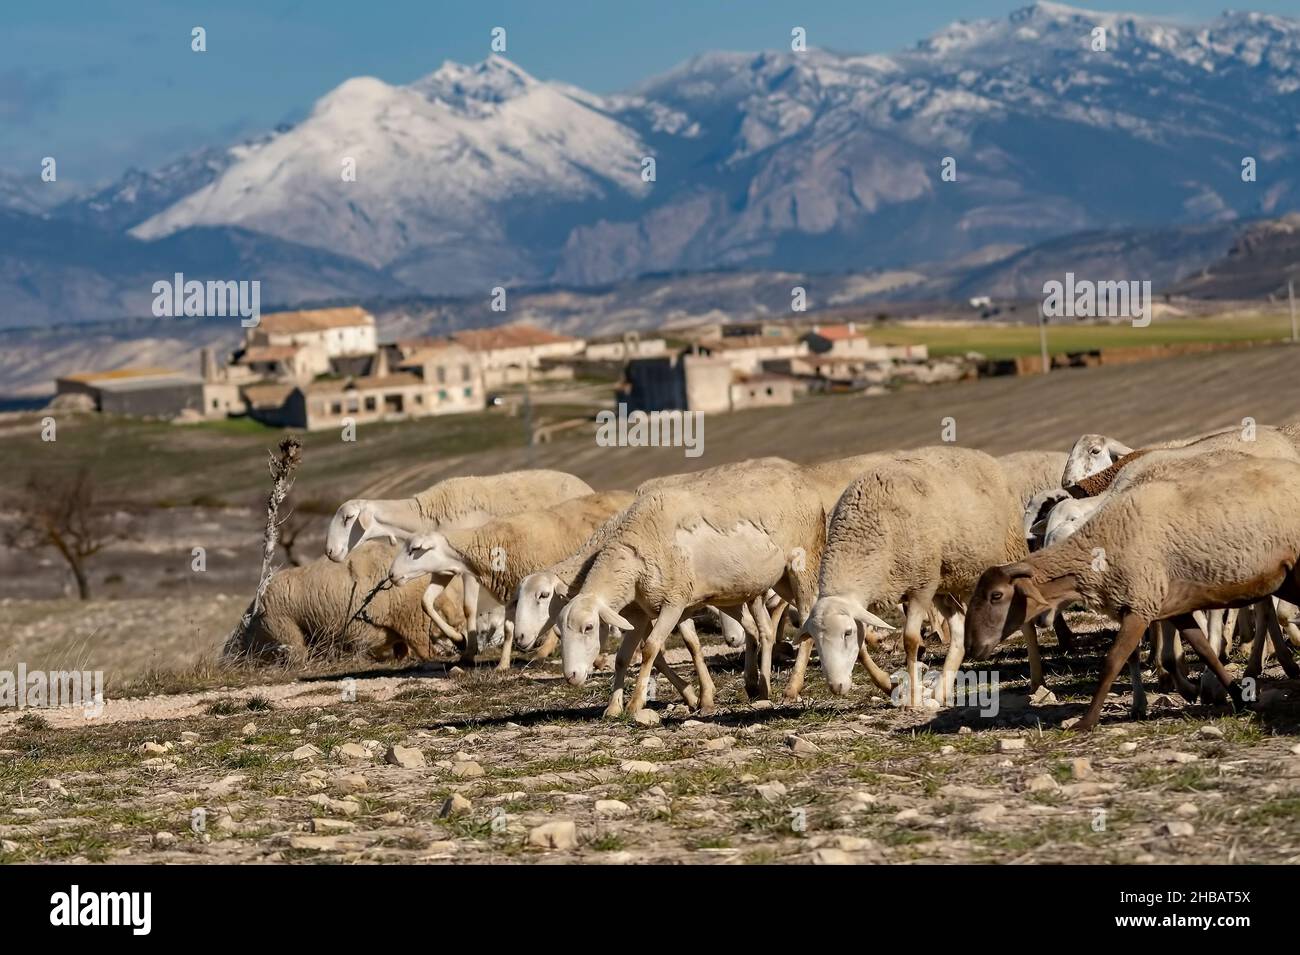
500	553
321	608
455	503
723	541
1222	536
922	526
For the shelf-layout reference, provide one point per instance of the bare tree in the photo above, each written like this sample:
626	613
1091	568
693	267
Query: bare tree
63	512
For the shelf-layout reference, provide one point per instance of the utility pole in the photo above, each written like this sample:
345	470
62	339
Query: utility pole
1290	296
528	409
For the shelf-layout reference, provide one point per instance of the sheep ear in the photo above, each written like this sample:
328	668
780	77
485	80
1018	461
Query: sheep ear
1116	449
391	539
610	618
865	616
1039	528
561	588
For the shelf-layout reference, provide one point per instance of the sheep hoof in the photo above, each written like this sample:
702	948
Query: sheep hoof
707	708
1212	691
689	695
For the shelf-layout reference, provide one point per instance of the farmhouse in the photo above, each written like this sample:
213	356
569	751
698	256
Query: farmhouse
512	354
144	392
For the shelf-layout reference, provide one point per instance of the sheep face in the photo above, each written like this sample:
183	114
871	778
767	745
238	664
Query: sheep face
1067	517
838	625
538	602
998	608
1090	454
1036	513
423	554
580	629
347	529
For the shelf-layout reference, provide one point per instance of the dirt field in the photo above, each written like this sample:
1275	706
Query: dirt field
824	780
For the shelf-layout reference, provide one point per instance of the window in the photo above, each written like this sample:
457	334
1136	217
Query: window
442	374
214	404
442	394
354	404
336	407
465	372
469	392
419	398
371	403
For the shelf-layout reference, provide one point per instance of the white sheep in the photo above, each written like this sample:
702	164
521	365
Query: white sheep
451	504
921	526
500	553
1224	536
723	541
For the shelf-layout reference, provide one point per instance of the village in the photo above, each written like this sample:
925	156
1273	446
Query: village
325	368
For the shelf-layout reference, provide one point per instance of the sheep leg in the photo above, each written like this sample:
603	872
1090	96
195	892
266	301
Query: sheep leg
427	600
1064	635
1280	648
1139	710
767	638
918	607
506	647
1259	629
1126	642
684	689
1035	658
955	621
548	645
469	601
878	676
667	622
1187	626
1171	657
1214	630
702	676
621	661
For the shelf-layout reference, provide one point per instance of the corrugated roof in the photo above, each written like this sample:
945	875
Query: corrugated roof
508	336
147	383
315	320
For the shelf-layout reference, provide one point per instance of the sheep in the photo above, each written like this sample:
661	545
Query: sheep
500	553
1030	473
1223	536
319	607
921	526
724	541
1090	454
454	503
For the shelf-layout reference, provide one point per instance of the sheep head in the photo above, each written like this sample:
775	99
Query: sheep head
580	626
1067	517
1090	454
538	602
838	624
1004	599
348	528
424	554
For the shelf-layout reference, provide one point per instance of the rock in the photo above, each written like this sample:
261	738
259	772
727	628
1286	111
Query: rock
295	732
248	729
646	718
455	805
161	840
455	673
466	769
801	747
864	798
1129	747
909	817
1183	757
305	752
8	846
407	757
558	834
652	742
854	844
964	731
762	705
55	786
693	725
358	722
344	807
947	750
832	857
771	792
1042	697
677	709
1210	732
226	785
1087	788
350	783
721	742
318	843
1042	783
1295	750
225	823
1013	744
635	766
392	818
157	762
612	807
26	812
190	736
326	826
1081	767
351	751
1186	809
154	749
986	815
1175	828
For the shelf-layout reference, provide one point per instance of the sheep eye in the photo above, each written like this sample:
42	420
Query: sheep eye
587	629
995	596
1095	451
543	596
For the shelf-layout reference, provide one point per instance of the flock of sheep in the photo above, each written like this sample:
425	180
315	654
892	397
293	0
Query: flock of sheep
1169	540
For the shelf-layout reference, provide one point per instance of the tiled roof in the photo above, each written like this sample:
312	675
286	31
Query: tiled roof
95	377
508	336
315	320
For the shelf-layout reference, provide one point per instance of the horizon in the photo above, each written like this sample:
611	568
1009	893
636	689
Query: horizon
128	93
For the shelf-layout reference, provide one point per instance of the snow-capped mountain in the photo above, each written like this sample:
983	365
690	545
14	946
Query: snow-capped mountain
482	175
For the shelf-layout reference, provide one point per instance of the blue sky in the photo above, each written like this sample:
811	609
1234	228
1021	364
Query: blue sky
104	84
